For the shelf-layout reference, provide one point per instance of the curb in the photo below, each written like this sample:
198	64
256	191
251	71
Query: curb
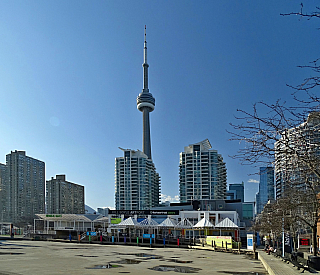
266	266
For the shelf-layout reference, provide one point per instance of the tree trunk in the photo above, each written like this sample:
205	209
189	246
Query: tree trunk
294	242
314	240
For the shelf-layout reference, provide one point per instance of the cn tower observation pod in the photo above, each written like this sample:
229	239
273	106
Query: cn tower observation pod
145	100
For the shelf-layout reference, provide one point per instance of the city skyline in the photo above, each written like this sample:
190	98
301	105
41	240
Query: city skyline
71	71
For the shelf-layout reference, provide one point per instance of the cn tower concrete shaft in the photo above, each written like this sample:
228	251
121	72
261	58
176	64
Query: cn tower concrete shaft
146	142
146	104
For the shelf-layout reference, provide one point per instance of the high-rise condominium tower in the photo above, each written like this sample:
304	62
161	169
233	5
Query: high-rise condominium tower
137	184
297	158
266	188
2	192
25	187
146	103
203	174
64	197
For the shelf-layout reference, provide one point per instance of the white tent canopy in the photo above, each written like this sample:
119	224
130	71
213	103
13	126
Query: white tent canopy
148	223
168	222
69	217
204	223
129	222
226	223
185	223
103	219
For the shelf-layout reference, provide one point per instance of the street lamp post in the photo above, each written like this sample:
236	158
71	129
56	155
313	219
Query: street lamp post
282	236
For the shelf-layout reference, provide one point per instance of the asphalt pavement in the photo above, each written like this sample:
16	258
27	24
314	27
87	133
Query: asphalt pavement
45	257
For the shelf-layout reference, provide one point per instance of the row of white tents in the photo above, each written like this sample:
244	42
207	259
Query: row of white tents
171	223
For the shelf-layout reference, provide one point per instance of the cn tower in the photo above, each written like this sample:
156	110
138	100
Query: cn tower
145	102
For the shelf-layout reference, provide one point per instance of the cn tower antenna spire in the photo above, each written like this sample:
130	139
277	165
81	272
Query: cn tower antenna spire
145	45
145	63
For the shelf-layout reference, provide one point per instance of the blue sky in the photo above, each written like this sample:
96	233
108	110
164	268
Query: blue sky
71	71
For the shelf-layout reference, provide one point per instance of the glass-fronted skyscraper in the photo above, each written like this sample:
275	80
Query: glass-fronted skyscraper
25	187
239	190
202	173
266	188
137	184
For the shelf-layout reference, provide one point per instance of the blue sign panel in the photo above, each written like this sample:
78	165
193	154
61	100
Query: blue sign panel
250	241
258	239
147	236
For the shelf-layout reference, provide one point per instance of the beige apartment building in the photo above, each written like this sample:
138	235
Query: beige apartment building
64	197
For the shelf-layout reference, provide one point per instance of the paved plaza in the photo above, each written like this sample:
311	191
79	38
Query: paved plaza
41	257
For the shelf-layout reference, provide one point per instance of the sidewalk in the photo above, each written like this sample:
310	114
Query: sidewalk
275	266
272	264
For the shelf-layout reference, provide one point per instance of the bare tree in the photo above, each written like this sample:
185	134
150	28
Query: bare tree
278	217
288	138
307	15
